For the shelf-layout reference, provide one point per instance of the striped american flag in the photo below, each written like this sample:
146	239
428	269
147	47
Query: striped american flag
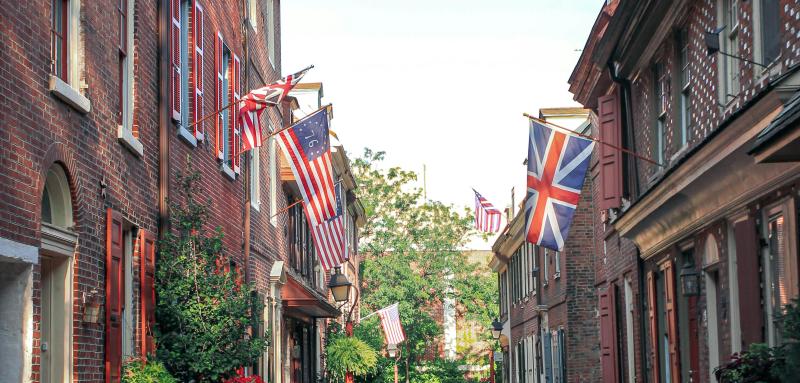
390	321
330	240
306	145
253	105
487	218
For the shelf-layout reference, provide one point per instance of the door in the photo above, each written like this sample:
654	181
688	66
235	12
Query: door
55	306
694	346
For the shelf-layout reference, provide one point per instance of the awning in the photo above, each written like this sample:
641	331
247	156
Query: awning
302	301
780	140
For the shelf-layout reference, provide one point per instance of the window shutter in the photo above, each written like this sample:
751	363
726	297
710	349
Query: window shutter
610	130
198	34
236	137
218	95
113	344
563	350
608	342
653	327
175	51
147	294
672	319
548	356
747	265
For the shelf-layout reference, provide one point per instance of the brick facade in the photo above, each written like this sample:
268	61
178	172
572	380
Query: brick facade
678	221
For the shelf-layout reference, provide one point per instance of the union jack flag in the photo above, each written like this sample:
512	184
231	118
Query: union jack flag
557	164
487	217
253	104
306	145
329	237
390	321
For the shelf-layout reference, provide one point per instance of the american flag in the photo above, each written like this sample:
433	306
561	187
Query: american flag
487	217
306	145
329	238
557	164
390	321
253	104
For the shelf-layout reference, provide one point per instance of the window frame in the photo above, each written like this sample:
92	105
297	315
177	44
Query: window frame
59	66
685	78
788	271
255	178
660	96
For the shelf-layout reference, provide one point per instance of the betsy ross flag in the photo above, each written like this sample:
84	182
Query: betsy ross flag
329	237
487	217
253	104
306	145
390	321
557	164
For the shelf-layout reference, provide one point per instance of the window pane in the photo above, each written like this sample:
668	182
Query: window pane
770	25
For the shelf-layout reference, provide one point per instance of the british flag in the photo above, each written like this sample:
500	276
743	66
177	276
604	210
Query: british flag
253	104
557	164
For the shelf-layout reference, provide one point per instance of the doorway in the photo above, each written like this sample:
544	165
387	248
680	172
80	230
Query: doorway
55	319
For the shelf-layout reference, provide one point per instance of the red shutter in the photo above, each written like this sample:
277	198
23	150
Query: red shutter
175	51
652	320
608	335
218	95
748	279
670	307
198	35
114	281
147	294
236	137
610	130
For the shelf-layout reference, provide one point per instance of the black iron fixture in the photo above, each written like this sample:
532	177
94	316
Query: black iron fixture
713	46
497	327
690	280
339	286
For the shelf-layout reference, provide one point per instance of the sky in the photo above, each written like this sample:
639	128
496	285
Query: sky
440	83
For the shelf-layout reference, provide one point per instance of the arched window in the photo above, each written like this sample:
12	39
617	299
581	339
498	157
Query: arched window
56	200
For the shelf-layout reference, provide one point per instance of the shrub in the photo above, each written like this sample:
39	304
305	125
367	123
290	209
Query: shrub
134	371
349	354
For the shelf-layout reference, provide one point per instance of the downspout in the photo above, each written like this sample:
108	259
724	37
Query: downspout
162	71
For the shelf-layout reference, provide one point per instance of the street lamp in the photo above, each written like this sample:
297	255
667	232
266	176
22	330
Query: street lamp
339	286
690	281
394	354
497	327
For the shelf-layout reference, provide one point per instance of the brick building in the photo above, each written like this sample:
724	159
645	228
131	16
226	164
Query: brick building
547	297
97	120
719	212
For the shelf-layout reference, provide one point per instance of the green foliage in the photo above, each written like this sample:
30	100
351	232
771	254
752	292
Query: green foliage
134	371
203	311
349	354
413	255
760	363
439	371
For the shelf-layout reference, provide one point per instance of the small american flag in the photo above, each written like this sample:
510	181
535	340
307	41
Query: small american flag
390	321
253	104
306	145
329	238
487	218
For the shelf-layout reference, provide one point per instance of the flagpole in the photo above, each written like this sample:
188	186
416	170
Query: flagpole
639	156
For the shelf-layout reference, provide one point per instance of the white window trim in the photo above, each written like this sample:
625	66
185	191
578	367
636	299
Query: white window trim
255	178
270	25
186	88
125	131
252	14
629	307
71	91
273	179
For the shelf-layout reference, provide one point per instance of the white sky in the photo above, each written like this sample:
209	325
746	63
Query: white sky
440	82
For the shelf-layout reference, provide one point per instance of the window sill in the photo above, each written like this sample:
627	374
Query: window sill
187	136
679	153
226	170
126	138
256	205
557	275
69	95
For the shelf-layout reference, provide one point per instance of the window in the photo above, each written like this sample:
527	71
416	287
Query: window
684	110
271	31
660	97
59	27
503	288
520	254
545	261
534	271
780	268
631	362
187	33
767	45
557	260
228	68
127	134
225	114
252	13
729	68
255	178
273	180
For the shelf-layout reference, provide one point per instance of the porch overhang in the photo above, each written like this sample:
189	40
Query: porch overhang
715	180
303	302
780	141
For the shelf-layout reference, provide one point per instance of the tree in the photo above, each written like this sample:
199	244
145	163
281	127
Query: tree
203	308
413	255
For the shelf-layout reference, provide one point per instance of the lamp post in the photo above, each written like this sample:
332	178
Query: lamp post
340	289
394	354
497	328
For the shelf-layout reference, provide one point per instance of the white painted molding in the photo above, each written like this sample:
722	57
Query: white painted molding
18	252
126	138
70	95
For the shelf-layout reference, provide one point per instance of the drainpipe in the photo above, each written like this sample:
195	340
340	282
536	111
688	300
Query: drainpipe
163	118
